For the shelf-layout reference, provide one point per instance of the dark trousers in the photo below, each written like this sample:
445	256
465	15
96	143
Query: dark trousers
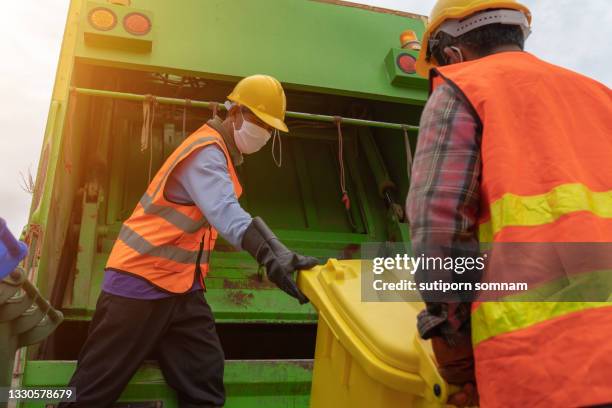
179	330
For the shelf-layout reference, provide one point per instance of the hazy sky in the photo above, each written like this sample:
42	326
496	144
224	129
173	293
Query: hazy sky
572	33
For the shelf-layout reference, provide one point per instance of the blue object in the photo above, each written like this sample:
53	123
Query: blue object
11	250
201	179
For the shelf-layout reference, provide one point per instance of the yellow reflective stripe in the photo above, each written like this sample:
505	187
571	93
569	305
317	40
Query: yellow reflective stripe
494	318
523	211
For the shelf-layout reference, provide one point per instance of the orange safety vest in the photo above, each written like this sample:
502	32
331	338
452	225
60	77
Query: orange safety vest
164	242
546	177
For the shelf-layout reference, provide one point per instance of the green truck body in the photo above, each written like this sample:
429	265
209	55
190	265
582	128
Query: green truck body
334	59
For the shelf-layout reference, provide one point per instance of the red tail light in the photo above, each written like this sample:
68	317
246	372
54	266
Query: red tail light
407	63
137	24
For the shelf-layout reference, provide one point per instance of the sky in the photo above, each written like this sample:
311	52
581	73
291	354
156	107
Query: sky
571	33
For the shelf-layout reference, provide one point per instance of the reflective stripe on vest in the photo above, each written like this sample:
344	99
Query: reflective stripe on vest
174	217
139	244
491	319
523	211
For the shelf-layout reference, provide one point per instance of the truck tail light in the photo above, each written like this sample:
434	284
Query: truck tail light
407	63
137	24
102	19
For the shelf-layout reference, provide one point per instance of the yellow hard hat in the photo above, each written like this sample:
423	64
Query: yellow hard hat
265	97
458	9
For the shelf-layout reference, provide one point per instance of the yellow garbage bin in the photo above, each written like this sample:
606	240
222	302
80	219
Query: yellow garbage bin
368	354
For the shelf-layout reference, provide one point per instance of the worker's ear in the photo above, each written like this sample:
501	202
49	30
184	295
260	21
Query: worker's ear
231	111
454	55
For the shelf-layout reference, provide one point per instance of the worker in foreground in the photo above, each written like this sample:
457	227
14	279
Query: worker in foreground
511	149
152	295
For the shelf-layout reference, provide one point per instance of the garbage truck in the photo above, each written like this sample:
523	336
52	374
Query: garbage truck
135	78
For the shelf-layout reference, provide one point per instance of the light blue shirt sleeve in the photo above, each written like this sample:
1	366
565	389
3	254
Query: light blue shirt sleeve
203	179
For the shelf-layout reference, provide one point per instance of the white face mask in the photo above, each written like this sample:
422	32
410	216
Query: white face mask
250	137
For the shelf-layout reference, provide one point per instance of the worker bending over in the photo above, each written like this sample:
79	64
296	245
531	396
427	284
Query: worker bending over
152	294
511	149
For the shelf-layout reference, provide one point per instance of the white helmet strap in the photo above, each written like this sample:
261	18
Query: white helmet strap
455	27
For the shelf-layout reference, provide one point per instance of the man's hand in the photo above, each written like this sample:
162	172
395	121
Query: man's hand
280	262
455	363
466	397
456	366
281	266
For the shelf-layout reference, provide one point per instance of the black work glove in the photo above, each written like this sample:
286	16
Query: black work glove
280	262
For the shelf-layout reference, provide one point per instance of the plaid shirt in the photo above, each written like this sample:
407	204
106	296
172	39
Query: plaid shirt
443	202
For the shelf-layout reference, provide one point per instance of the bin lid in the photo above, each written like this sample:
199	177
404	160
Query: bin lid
386	329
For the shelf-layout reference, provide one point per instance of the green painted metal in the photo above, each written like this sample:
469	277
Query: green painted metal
92	170
232	39
51	142
252	383
203	104
87	253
